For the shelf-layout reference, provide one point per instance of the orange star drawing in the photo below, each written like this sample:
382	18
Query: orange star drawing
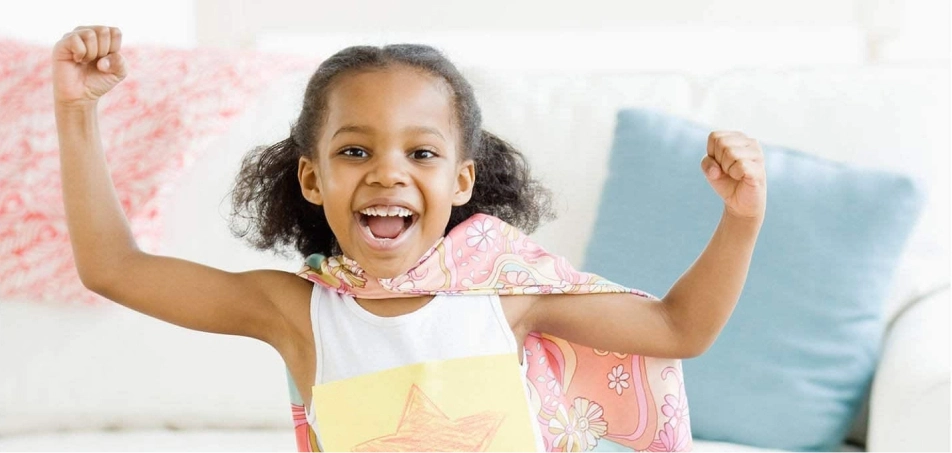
424	427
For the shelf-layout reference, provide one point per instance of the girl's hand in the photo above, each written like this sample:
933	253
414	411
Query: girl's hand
734	166
87	64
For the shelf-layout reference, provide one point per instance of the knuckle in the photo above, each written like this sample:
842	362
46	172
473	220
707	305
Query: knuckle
75	43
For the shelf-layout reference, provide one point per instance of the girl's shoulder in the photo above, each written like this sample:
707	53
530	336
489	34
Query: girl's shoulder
288	290
291	295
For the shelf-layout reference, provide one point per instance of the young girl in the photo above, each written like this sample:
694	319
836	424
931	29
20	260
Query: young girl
388	173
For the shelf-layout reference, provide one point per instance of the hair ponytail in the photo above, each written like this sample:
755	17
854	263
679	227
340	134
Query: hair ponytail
504	187
268	209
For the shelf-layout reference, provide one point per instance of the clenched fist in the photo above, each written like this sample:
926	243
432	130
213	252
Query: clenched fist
734	166
87	64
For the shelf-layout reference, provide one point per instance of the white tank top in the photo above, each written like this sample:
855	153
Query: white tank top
350	341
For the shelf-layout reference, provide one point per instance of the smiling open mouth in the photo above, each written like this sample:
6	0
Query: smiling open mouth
385	222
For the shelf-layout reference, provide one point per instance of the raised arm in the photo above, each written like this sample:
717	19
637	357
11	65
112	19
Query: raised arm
689	318
86	65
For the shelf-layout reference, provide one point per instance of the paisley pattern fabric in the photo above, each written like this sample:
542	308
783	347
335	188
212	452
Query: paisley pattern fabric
583	398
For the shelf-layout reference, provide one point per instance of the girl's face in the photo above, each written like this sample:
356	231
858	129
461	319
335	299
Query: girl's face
387	169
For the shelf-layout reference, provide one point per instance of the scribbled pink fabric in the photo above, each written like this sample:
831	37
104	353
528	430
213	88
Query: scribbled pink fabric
154	124
583	397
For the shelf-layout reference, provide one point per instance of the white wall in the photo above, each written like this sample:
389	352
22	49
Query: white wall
165	22
221	20
919	30
891	30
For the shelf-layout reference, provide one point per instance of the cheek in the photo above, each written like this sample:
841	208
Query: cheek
337	195
439	186
439	200
338	181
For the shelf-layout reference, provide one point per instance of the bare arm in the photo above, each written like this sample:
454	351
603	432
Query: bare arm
107	257
702	300
690	317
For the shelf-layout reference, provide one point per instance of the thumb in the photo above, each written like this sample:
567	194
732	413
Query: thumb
113	63
711	169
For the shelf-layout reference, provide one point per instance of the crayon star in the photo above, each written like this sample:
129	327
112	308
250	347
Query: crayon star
424	427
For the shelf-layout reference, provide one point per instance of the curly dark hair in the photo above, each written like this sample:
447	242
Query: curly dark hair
270	212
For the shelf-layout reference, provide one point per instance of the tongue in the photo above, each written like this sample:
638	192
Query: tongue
385	227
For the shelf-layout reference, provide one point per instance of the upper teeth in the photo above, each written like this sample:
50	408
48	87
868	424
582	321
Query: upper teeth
386	211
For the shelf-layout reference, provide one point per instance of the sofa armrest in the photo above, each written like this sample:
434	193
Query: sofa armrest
909	401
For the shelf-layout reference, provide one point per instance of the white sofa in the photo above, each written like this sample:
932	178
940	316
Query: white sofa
106	378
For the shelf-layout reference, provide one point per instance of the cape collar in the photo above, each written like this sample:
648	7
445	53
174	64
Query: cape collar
481	255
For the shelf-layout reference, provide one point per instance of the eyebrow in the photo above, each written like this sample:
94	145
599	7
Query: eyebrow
369	130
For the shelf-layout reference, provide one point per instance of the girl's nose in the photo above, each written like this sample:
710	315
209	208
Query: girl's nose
389	170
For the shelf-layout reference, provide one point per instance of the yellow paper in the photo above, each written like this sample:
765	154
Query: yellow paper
469	404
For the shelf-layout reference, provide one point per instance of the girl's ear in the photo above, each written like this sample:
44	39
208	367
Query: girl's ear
310	182
465	180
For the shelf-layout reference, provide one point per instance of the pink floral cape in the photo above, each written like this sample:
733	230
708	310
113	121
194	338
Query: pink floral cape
582	397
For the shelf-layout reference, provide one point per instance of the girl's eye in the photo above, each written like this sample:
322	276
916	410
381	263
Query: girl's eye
354	152
423	154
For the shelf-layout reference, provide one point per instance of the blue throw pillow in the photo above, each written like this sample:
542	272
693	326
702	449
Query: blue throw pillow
796	358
